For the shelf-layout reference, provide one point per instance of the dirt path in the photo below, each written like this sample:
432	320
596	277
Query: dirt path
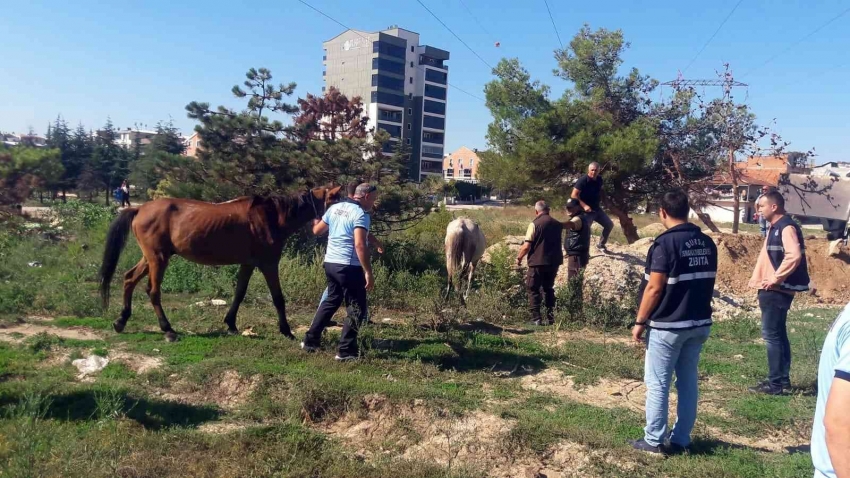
18	332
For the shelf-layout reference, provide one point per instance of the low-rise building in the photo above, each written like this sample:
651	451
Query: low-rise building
193	144
461	165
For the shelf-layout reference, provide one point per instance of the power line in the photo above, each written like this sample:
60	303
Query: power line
476	19
712	36
363	37
801	40
455	35
553	25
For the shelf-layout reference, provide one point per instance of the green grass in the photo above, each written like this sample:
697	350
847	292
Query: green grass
435	355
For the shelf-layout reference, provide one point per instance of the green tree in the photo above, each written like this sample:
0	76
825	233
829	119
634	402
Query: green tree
24	168
61	138
507	175
165	149
245	152
109	162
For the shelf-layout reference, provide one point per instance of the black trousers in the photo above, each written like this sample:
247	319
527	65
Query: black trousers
540	281
345	284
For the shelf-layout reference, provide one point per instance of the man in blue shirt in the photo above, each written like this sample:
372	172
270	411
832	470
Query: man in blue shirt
831	430
348	270
675	313
373	241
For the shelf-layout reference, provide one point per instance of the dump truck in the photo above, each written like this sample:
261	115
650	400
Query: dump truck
822	199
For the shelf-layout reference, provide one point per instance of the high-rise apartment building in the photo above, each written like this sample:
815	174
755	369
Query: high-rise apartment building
403	86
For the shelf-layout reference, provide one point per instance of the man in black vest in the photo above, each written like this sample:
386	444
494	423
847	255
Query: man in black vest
780	272
675	305
543	247
588	192
577	242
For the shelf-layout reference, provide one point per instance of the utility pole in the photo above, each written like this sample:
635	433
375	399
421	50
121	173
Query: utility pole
727	82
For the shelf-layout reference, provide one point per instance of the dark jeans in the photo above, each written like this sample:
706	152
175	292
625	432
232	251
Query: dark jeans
576	263
125	199
345	284
599	216
540	281
774	314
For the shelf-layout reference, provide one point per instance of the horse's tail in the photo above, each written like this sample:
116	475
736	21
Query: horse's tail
454	252
115	240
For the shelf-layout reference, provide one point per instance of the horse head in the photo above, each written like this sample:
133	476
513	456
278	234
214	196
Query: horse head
322	198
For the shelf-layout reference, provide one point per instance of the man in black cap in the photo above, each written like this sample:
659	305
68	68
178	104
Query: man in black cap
543	247
577	242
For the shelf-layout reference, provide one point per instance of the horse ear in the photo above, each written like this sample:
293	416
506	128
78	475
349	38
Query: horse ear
333	195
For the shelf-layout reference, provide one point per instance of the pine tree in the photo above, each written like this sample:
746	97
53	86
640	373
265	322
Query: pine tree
109	161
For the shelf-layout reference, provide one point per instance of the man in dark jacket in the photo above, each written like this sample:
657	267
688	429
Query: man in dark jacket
588	192
780	272
543	247
577	242
675	312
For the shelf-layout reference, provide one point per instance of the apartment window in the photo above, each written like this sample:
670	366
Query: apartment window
432	151
388	115
393	130
384	64
435	92
387	98
411	48
434	122
411	64
410	95
431	137
436	76
387	49
408	140
408	126
435	107
410	111
411	80
387	82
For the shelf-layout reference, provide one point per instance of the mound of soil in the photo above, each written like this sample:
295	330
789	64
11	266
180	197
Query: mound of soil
618	271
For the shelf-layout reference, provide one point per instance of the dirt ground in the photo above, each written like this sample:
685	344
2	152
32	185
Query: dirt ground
620	269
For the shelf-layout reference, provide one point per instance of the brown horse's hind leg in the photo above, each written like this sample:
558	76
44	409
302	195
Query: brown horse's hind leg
271	274
245	272
157	264
131	278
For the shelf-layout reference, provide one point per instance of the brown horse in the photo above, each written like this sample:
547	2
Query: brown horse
249	231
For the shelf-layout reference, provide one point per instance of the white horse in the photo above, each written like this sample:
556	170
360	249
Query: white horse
465	245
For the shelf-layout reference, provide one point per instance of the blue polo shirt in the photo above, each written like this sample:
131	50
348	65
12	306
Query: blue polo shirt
342	219
834	363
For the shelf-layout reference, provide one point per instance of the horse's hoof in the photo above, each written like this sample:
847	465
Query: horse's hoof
171	336
288	335
118	326
232	331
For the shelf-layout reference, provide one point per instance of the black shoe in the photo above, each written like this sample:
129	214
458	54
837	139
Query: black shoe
767	389
601	247
642	445
674	449
333	323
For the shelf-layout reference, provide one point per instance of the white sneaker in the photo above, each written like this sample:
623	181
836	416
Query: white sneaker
346	358
308	348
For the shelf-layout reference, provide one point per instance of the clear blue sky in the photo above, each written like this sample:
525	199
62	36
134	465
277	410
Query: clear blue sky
140	62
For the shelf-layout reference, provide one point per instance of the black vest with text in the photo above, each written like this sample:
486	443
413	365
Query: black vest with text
578	242
546	243
691	267
798	281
